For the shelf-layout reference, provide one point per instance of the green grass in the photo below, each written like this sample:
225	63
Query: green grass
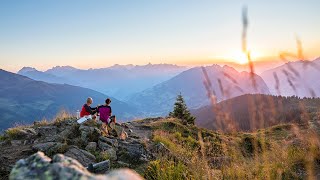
166	169
162	139
284	151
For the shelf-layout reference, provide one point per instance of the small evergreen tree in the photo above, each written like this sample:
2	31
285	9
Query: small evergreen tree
181	111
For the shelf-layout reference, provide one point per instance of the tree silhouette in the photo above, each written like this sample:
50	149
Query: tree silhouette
181	111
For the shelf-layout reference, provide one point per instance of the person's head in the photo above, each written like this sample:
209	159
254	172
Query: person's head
89	101
108	101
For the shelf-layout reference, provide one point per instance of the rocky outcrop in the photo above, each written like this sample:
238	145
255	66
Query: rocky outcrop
89	143
39	166
50	147
84	157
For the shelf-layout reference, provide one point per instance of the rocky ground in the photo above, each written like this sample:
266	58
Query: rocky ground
158	148
125	146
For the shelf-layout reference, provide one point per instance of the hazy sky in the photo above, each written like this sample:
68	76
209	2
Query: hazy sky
99	33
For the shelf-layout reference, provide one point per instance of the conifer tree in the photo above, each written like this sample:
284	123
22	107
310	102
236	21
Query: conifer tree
181	111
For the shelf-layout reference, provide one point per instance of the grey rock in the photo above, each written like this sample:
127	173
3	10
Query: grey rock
103	146
84	157
54	138
67	122
89	133
43	146
16	142
5	142
132	148
132	153
101	167
112	154
92	146
47	130
39	166
50	147
111	141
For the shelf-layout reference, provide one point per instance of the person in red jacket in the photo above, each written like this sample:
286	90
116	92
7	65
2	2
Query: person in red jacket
86	109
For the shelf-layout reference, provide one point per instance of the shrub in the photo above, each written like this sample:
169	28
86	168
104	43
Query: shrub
62	116
15	132
250	145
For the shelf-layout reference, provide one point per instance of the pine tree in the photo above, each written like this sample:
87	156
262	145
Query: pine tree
181	111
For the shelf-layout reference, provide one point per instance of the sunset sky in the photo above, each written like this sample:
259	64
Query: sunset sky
96	33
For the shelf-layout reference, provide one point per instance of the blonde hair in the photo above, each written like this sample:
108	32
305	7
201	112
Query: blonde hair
89	100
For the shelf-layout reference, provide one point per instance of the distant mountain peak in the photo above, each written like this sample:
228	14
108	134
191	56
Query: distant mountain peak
64	67
118	66
229	68
26	69
317	60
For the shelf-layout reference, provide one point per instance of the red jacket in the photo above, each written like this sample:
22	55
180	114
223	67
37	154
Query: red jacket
86	110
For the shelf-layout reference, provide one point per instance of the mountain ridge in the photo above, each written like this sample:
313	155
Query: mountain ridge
294	78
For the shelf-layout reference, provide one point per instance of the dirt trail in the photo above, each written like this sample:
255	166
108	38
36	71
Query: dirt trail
139	129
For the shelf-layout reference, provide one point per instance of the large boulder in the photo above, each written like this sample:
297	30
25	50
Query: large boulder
39	166
84	157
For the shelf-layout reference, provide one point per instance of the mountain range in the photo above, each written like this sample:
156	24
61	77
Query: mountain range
225	82
119	80
150	90
23	100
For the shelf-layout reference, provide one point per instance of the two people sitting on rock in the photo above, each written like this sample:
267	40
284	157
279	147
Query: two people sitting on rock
103	111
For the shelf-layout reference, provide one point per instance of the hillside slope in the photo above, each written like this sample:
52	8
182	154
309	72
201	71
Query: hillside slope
23	100
251	112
